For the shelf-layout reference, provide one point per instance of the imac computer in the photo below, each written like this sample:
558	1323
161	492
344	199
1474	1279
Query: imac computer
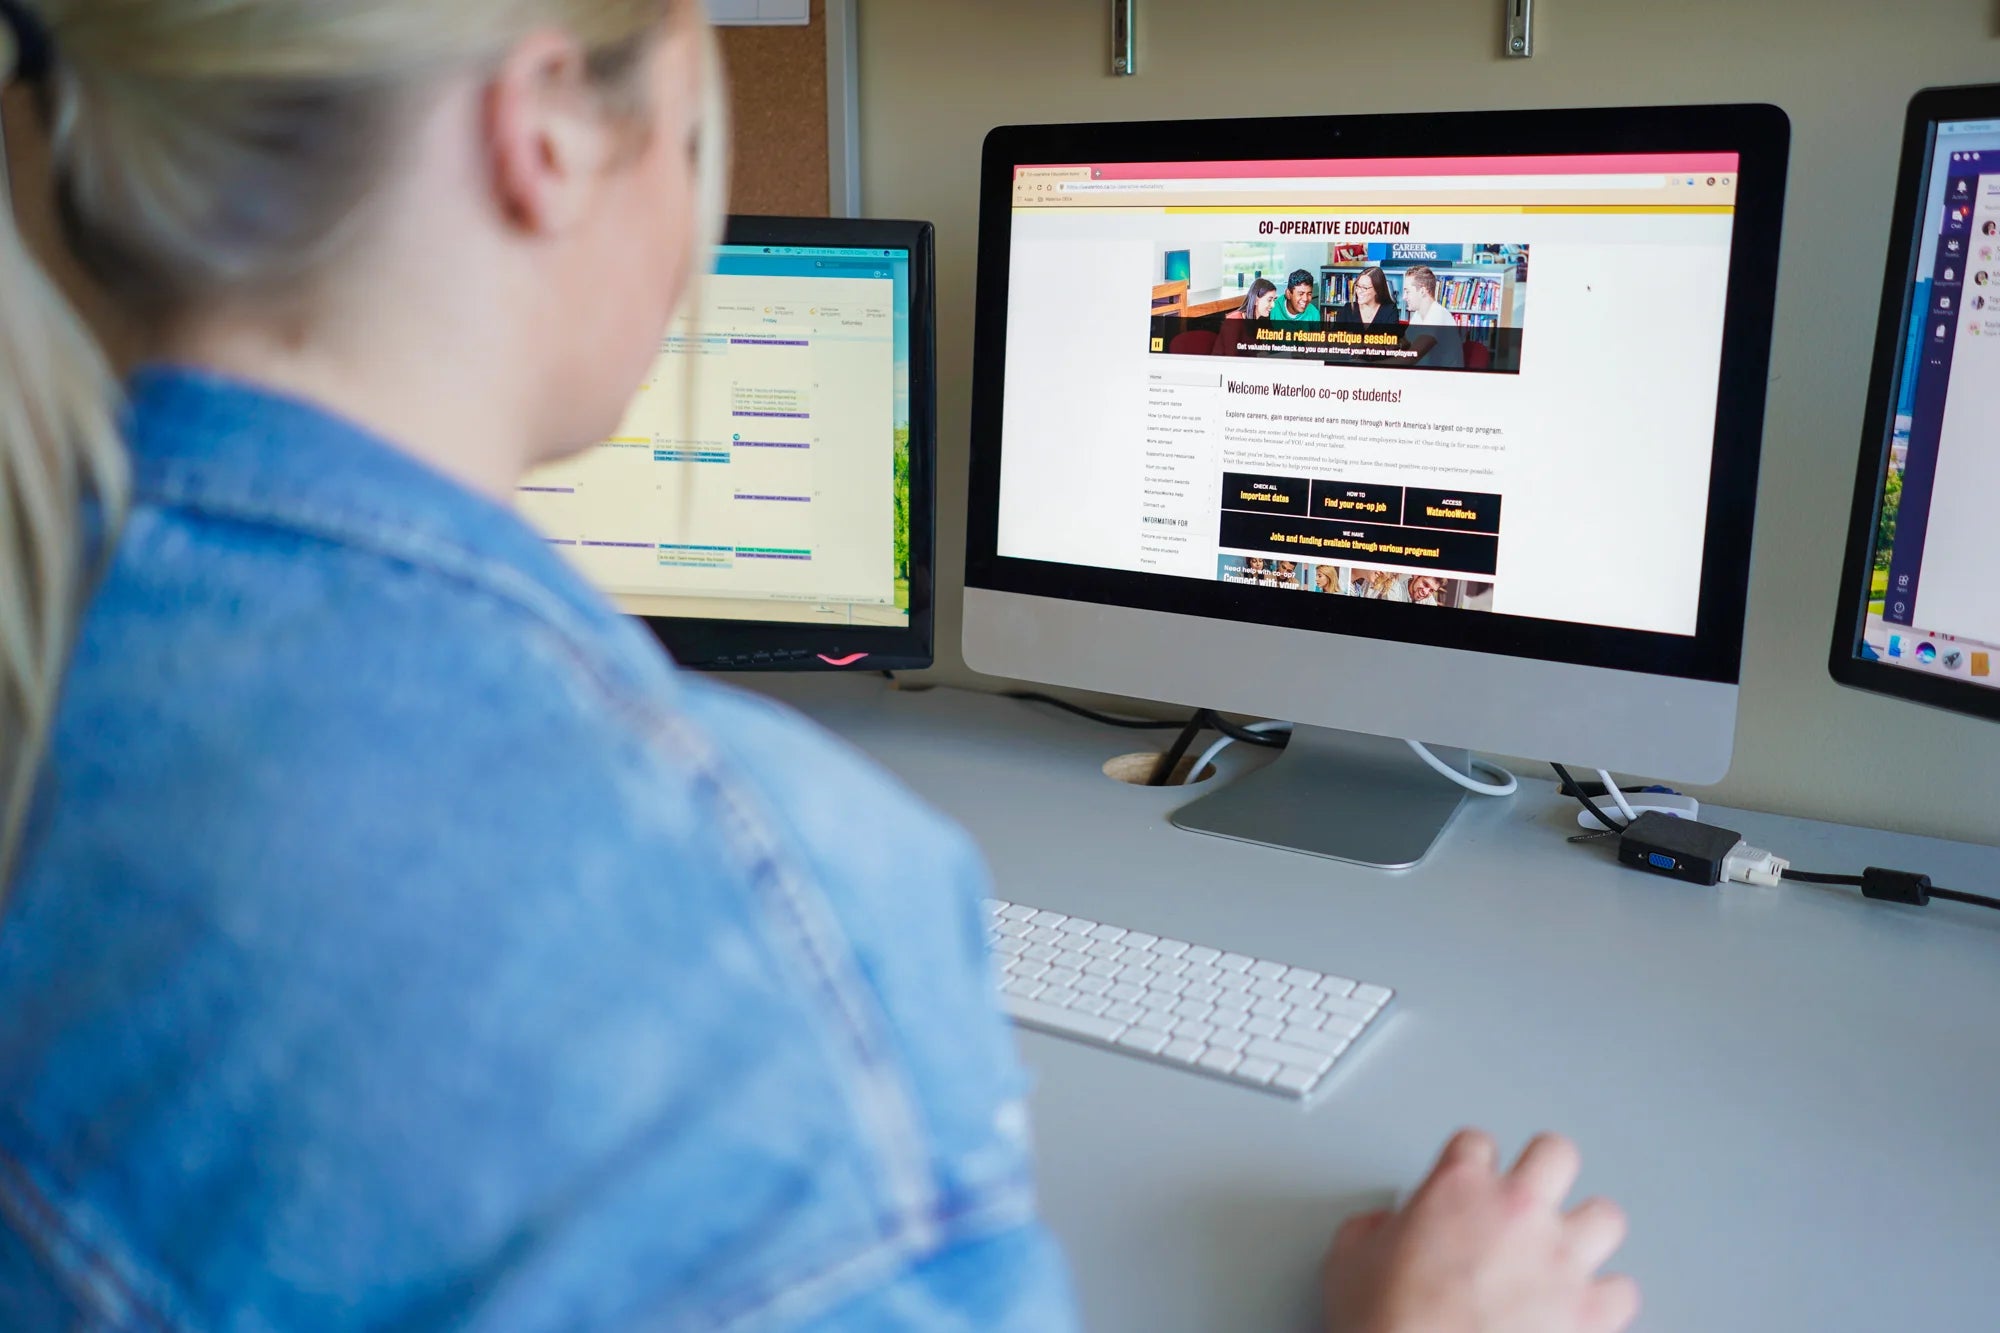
1920	597
768	502
1442	428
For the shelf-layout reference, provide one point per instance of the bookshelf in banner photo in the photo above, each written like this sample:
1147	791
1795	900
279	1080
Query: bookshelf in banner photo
1480	290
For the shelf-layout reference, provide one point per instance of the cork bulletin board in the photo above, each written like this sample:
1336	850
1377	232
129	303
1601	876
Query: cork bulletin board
778	94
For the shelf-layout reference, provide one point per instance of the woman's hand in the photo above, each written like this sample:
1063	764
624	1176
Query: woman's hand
1478	1251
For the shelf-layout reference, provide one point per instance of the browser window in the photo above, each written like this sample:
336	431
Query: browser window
1482	384
1933	605
762	473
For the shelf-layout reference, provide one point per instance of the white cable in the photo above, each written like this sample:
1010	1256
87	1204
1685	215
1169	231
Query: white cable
1611	788
1504	783
1208	755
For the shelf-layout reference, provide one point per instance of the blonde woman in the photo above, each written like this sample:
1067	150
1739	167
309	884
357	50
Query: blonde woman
392	939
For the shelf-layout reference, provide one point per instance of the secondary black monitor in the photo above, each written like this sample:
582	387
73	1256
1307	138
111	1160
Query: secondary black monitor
768	503
1920	595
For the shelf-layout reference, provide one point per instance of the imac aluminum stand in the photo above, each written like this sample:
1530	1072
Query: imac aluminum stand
1337	794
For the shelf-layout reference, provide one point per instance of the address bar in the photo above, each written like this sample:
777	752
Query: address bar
1295	185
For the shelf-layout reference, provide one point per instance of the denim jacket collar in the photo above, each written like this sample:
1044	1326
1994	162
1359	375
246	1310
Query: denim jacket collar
232	449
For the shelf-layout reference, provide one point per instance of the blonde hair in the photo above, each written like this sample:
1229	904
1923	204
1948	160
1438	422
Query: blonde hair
203	148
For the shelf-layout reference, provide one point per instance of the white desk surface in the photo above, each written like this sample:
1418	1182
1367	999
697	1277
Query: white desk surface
1795	1092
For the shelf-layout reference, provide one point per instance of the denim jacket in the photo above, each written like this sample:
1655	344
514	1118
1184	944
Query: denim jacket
402	944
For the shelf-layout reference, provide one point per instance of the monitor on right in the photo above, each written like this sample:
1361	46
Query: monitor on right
1920	599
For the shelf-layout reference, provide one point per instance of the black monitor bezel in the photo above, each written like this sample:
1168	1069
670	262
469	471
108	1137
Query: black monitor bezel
769	645
1760	135
1928	109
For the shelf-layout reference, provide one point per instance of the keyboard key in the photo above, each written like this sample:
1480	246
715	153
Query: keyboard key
1336	985
1040	953
992	906
1194	1009
1348	1008
1158	1022
1090	1004
1287	1054
1235	1001
1202	973
1048	918
1026	968
1299	1081
1172	967
1009	948
1253	1070
1137	974
1272	1009
1089	985
1225	1040
1376	995
1139	939
1016	912
1234	962
1062	976
1144	1039
1220	1062
1125	993
1259	1026
1201	953
1266	970
1300	976
1303	997
1268	990
1237	981
1158	1001
1182	1051
1045	935
1076	925
1023	988
1195	1031
1328	1042
1060	1020
1171	948
1105	949
1124	1013
1165	985
1348	1028
1062	997
1206	994
1097	967
1108	934
1013	929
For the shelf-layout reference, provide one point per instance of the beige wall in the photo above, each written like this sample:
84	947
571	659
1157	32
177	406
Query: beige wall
937	74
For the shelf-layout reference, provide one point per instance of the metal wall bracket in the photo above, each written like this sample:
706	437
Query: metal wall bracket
1124	37
1520	43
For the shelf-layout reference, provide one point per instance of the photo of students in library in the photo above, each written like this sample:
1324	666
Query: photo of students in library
1396	305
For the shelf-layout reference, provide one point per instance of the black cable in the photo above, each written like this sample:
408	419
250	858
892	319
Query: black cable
1955	896
1103	719
1570	786
1894	886
1171	760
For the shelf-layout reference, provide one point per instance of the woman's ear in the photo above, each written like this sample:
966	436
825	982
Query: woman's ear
548	138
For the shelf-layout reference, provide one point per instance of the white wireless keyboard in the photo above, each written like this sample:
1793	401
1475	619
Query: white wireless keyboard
1241	1019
